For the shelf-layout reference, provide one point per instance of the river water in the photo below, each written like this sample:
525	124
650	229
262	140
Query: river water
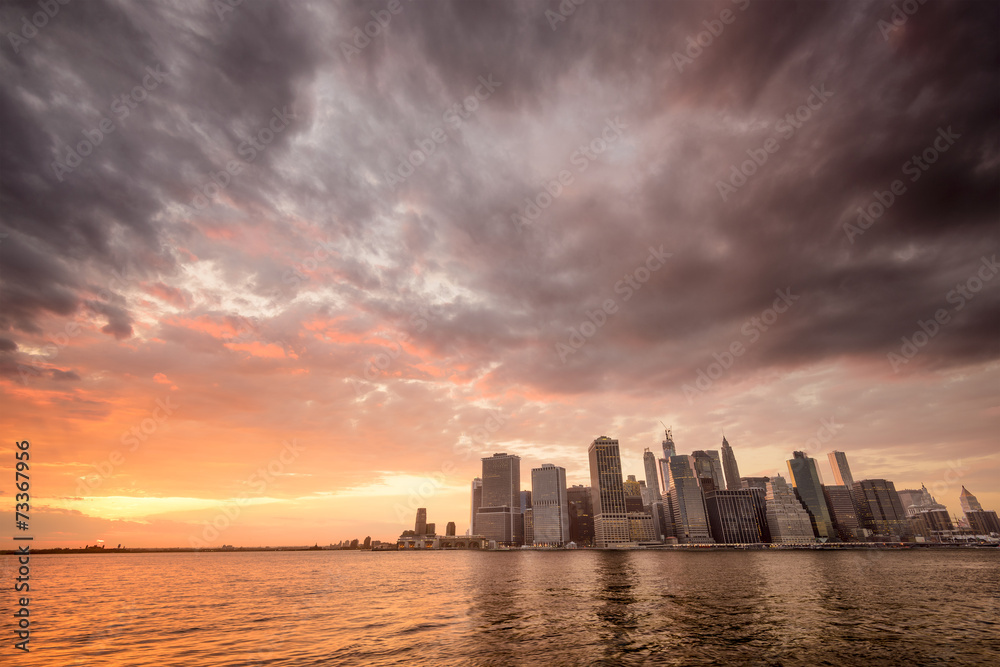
510	608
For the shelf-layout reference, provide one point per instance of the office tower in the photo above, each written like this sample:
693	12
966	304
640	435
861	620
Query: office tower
841	471
431	529
499	517
477	501
759	496
668	445
969	502
708	469
641	527
420	528
449	529
528	519
931	524
729	466
633	495
809	489
983	522
663	467
652	479
733	516
647	494
879	509
550	509
787	519
581	515
918	500
607	488
525	500
688	502
840	502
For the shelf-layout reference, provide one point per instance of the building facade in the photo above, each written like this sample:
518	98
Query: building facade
809	489
733	516
787	519
729	467
841	470
688	503
499	517
581	515
550	506
840	502
652	478
611	526
879	509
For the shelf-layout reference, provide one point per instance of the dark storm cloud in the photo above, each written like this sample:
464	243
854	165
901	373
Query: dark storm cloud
360	114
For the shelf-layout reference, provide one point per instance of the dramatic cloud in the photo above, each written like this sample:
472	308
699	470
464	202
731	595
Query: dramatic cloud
406	235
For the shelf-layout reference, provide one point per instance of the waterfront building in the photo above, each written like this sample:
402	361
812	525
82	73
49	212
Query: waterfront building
581	515
449	529
879	509
983	522
841	470
527	517
550	506
840	502
499	517
611	526
787	519
934	525
652	479
633	495
969	502
431	529
809	489
687	502
477	501
729	466
733	516
641	527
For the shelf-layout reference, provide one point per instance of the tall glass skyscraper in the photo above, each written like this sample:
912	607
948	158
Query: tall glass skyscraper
611	525
879	509
809	488
729	467
708	466
668	445
499	516
841	471
477	502
688	502
550	505
652	479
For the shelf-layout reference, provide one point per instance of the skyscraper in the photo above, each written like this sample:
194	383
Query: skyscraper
688	502
477	502
805	478
633	495
499	517
607	488
969	502
708	466
550	505
839	500
787	519
581	514
918	500
729	466
668	445
733	516
841	471
879	509
449	529
652	479
420	527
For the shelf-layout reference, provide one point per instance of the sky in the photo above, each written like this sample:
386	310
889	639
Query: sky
278	273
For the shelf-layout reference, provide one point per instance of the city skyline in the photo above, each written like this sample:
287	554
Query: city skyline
278	272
